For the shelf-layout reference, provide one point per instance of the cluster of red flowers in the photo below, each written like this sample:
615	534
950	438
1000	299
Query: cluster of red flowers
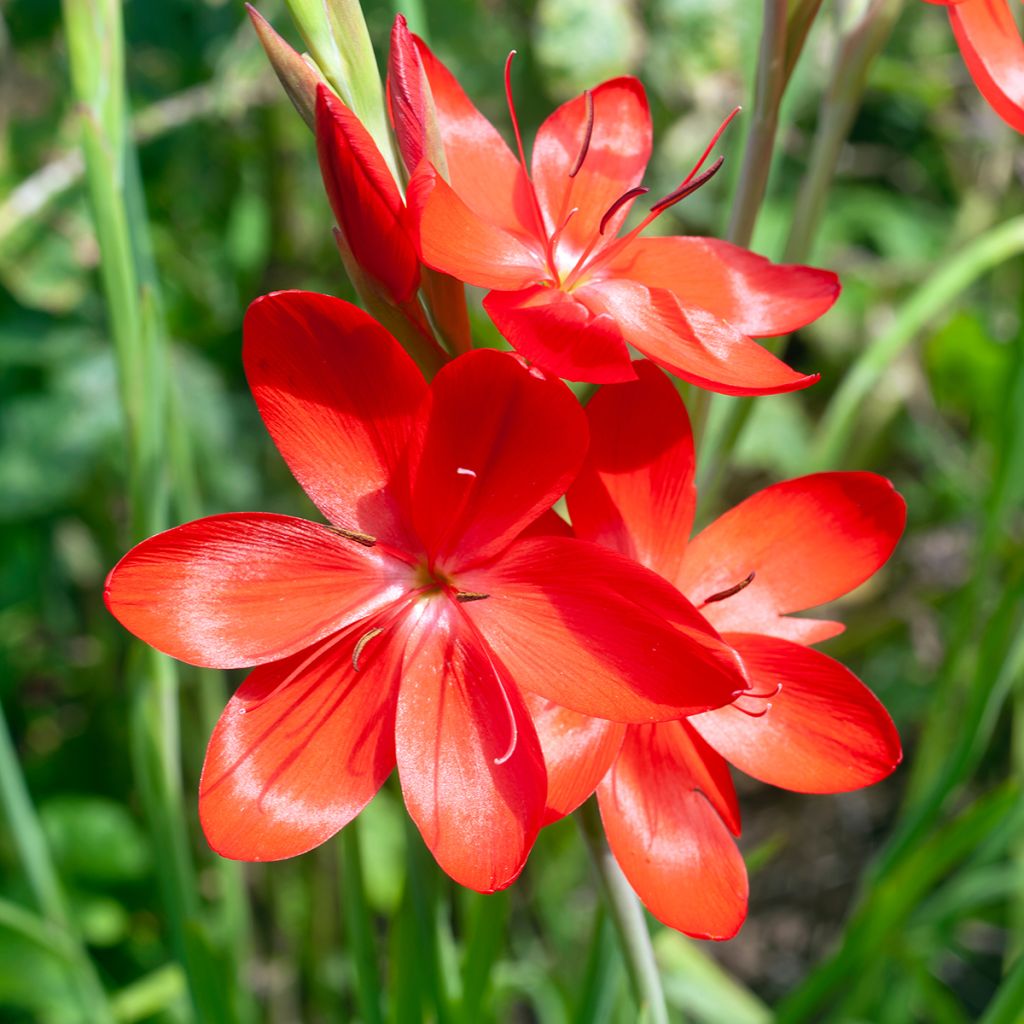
444	618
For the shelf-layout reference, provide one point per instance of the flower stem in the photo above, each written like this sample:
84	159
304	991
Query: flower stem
359	926
628	917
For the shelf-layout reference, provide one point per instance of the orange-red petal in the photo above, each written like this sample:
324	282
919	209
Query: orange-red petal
635	492
468	756
339	396
499	445
293	760
668	806
808	541
247	587
824	732
757	297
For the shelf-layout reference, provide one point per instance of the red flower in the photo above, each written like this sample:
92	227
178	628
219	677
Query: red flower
404	630
993	51
565	290
806	723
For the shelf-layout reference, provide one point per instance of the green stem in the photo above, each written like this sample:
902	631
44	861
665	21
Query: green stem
359	926
628	917
958	273
26	834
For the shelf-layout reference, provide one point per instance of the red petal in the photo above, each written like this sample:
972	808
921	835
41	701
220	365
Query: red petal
500	445
455	239
468	756
555	331
616	157
635	493
338	395
365	198
481	167
662	807
691	343
994	54
247	587
756	296
825	731
578	751
808	541
287	768
597	633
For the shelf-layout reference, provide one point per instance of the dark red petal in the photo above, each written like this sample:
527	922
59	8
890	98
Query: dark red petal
468	756
597	633
365	198
338	395
691	343
456	240
994	54
825	731
807	541
287	768
578	751
619	149
247	587
662	806
499	446
635	493
409	100
555	331
550	524
754	295
481	167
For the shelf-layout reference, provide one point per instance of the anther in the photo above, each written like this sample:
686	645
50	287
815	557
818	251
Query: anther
587	134
360	538
470	595
730	592
688	188
361	643
618	204
759	713
762	696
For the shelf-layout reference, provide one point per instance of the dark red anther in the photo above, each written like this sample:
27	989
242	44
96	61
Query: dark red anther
689	188
617	205
732	591
585	148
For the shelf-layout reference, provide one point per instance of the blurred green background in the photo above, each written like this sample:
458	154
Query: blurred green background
901	903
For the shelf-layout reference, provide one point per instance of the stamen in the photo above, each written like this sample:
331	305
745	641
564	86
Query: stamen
360	538
762	696
361	643
514	739
470	595
759	713
687	187
519	144
711	145
618	204
730	592
588	132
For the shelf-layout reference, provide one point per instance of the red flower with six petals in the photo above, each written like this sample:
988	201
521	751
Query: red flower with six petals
568	293
404	630
806	724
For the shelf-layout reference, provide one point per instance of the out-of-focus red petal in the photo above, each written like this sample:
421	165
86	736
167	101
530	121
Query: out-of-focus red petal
365	198
555	331
500	445
597	633
457	240
616	157
825	731
286	768
468	756
635	493
481	167
247	587
661	805
578	751
993	51
338	395
808	541
691	343
757	297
